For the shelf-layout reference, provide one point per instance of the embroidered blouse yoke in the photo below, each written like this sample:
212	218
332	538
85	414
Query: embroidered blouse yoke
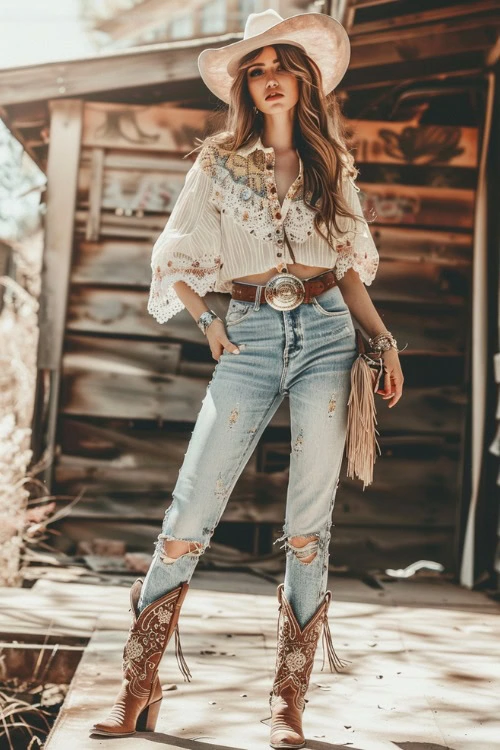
228	222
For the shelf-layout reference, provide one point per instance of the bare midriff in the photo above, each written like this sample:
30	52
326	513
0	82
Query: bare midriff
298	269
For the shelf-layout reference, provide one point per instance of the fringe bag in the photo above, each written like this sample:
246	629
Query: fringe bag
361	441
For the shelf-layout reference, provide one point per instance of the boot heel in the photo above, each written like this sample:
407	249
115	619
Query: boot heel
146	721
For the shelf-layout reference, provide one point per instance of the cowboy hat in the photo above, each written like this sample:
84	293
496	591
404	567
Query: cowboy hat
320	36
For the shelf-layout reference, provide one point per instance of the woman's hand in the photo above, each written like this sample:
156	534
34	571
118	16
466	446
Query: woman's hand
218	340
393	377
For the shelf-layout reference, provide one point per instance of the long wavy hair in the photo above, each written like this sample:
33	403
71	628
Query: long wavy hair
319	135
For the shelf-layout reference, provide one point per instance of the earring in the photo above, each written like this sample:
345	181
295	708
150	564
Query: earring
256	111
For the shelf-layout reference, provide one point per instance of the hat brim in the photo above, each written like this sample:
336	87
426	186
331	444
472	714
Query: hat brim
322	38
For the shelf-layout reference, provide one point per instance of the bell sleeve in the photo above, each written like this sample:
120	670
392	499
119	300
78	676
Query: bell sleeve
188	249
357	248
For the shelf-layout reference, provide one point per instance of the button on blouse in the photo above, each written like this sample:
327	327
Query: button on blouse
228	222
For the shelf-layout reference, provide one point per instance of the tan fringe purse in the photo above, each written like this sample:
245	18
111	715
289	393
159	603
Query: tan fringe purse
361	441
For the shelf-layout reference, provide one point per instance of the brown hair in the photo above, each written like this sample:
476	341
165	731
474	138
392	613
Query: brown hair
319	134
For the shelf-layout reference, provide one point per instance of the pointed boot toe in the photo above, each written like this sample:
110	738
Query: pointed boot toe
138	703
286	726
295	652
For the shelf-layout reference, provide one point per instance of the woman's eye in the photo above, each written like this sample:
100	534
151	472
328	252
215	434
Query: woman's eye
254	72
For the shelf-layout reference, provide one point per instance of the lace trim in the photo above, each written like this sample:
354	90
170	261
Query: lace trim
363	258
163	302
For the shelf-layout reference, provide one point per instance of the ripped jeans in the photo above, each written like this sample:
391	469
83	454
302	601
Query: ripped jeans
305	354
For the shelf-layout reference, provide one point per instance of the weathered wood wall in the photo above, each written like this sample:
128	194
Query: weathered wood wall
131	388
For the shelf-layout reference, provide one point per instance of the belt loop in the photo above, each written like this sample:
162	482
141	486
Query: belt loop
257	298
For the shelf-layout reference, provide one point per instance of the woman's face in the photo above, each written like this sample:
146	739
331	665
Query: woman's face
271	88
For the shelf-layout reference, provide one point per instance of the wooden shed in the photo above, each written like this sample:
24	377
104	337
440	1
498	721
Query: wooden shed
118	393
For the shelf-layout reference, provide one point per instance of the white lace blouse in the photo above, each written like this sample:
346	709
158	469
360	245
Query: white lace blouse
228	222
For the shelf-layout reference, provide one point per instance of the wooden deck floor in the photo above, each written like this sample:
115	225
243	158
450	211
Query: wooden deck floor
424	672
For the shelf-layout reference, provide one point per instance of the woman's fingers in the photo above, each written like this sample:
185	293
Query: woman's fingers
396	389
393	386
229	346
387	382
221	345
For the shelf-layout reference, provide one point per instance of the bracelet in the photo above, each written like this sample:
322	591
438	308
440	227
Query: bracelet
382	342
205	319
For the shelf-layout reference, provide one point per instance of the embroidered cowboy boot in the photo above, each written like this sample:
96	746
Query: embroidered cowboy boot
294	662
138	703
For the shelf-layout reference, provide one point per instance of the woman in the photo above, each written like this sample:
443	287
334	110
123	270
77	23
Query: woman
269	213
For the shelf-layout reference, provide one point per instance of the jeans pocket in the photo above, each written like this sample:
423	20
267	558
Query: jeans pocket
237	311
330	307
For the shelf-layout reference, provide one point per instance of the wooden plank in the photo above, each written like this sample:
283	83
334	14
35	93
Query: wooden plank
95	193
400	281
440	410
124	312
126	69
421	206
110	378
423	245
393	46
412	143
116	395
441	176
422	19
115	262
459	64
360	548
136	127
107	355
138	227
405	492
127	191
380	548
65	130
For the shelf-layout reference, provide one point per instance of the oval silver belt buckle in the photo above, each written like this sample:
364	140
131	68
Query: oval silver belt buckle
284	291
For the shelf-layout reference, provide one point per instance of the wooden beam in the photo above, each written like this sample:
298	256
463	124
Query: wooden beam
142	66
460	64
425	17
95	194
62	177
395	46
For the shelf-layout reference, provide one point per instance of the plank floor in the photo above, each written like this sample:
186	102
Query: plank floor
424	671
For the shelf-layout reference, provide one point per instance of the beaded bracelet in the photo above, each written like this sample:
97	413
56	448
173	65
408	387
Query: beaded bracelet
382	342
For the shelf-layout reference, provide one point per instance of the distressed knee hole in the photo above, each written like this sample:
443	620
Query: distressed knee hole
305	548
173	549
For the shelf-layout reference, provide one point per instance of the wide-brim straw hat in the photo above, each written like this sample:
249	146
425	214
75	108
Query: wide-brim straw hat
320	36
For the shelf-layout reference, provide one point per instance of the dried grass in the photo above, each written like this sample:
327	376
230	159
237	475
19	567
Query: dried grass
27	712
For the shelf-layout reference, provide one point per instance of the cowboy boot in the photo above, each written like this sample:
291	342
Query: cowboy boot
138	703
294	663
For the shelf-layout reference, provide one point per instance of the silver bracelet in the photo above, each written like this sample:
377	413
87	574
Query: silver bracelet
382	342
205	319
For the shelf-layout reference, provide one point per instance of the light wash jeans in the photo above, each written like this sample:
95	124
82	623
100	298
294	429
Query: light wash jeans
305	354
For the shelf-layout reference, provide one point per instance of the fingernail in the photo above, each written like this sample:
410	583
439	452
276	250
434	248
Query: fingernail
236	351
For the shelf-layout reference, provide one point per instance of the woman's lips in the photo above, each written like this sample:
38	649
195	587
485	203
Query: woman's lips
273	96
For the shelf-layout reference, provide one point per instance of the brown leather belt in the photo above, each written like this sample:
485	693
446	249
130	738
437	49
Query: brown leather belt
313	288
